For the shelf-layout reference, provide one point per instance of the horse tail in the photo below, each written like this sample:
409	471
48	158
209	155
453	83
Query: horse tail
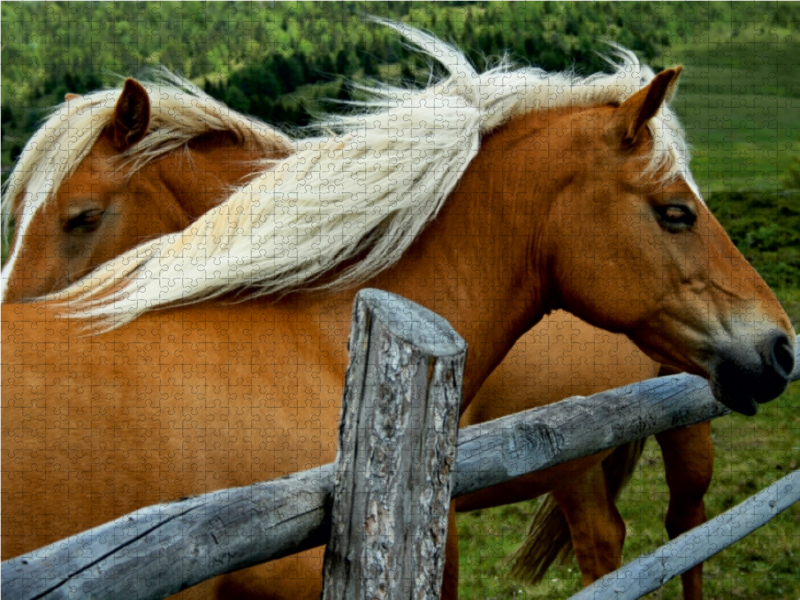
548	539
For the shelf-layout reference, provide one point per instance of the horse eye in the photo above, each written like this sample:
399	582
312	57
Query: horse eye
85	222
675	217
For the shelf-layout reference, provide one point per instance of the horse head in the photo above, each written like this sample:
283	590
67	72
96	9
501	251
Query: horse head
147	173
634	249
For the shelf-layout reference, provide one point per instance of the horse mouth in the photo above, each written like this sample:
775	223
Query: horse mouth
742	385
738	400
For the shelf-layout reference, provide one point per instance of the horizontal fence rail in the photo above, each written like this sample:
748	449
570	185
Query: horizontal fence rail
652	570
176	545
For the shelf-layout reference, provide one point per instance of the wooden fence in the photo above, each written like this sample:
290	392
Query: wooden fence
652	570
162	549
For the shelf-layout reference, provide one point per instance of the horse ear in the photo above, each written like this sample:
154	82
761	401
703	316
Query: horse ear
672	87
131	116
70	96
633	114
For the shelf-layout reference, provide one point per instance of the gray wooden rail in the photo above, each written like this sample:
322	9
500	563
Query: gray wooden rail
176	545
652	570
397	446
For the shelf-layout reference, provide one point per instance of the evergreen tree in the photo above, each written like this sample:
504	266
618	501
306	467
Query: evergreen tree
370	69
237	100
791	179
343	63
344	93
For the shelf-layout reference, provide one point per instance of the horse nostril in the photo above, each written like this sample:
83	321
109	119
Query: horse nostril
782	354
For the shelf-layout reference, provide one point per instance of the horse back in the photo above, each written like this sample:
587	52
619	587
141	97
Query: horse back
178	403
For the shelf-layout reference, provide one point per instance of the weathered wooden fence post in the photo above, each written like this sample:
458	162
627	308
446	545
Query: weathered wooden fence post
397	442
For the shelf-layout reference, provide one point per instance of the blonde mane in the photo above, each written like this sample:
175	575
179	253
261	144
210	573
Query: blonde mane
370	186
180	111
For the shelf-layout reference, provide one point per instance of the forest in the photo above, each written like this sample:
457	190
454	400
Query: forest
276	60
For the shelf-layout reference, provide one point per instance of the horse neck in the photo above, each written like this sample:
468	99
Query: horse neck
483	263
201	175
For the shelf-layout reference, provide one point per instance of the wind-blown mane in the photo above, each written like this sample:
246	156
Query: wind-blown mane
369	187
180	111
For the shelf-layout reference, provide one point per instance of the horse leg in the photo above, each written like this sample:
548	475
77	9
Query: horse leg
689	462
450	581
596	527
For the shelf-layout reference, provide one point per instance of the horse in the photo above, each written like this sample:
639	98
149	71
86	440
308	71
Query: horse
510	244
68	232
198	156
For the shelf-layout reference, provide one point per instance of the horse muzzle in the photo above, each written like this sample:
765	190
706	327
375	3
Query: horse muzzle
744	378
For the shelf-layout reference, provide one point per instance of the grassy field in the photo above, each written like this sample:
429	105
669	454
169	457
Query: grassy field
739	101
751	453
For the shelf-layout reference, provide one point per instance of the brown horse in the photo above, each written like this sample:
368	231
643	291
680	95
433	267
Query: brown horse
537	239
74	211
71	233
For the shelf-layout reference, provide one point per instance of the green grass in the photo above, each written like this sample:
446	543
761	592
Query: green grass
790	299
765	226
739	101
751	453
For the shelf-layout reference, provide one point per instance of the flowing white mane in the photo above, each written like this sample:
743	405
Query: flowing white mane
370	187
